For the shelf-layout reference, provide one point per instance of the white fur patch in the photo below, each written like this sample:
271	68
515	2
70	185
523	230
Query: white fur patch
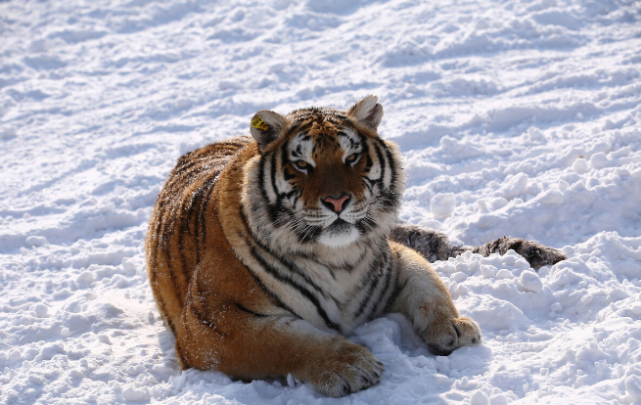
339	239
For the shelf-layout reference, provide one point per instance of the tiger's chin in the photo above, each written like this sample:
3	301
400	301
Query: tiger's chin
339	234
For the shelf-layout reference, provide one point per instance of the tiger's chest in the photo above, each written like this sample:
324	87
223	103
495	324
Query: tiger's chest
341	286
328	292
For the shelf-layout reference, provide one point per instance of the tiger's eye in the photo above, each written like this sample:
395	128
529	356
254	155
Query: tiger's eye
352	158
301	164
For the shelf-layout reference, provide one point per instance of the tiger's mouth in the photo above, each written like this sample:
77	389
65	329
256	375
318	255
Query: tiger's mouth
339	233
339	224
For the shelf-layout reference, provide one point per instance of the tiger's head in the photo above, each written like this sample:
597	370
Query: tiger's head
323	176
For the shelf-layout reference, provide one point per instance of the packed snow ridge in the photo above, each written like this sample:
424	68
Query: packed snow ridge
518	118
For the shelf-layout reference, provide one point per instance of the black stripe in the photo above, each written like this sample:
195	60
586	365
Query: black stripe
390	159
392	299
287	174
369	163
261	177
249	311
397	290
289	195
381	162
349	267
273	179
186	218
272	295
302	290
184	163
234	143
181	172
272	210
314	259
305	115
284	159
201	233
369	184
202	319
308	234
365	225
163	245
296	199
384	290
368	296
286	262
388	196
277	301
329	269
301	125
279	196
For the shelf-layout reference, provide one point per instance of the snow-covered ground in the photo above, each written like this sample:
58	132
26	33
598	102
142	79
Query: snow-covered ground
516	118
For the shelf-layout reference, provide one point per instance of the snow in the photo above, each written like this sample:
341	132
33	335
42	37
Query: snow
518	118
443	204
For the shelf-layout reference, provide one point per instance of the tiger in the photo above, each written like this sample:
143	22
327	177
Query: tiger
265	251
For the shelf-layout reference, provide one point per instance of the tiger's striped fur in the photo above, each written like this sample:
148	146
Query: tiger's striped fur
259	252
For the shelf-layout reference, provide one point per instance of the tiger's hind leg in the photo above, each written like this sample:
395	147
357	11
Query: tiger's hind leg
435	246
424	299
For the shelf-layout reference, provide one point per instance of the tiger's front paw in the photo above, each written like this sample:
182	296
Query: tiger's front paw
347	369
443	336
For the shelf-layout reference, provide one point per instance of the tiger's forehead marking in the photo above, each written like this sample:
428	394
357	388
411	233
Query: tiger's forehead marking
326	136
322	132
349	140
301	147
306	119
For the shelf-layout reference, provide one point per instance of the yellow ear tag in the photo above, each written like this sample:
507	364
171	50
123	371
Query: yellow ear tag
259	123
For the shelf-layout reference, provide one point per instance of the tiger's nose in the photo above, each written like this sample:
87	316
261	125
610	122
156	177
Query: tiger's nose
336	204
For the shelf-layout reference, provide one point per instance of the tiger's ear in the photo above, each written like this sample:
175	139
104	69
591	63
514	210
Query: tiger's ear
266	127
367	112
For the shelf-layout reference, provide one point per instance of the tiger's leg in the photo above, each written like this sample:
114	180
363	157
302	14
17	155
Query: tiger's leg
424	299
435	246
223	335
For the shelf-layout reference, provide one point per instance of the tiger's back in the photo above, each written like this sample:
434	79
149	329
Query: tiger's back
178	228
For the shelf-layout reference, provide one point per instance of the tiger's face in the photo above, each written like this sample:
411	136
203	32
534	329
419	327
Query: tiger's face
326	167
327	179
